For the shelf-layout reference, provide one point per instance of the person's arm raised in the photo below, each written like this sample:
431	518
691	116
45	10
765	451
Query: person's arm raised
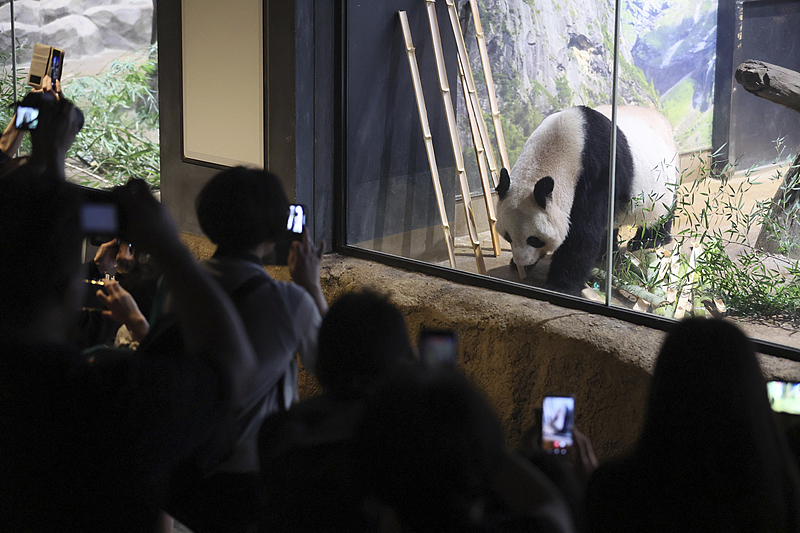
304	266
209	322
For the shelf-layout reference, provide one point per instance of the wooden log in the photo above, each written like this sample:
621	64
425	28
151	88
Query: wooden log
782	86
771	82
781	233
426	133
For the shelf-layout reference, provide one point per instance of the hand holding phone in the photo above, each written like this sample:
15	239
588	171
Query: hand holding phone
45	61
295	229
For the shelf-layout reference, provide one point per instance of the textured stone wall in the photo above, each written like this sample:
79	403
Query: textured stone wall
517	349
80	27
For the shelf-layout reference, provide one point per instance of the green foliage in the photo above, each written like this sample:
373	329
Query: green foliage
119	139
519	119
716	253
677	101
749	287
7	96
564	91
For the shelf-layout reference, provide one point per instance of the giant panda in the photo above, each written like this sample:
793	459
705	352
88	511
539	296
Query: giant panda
555	199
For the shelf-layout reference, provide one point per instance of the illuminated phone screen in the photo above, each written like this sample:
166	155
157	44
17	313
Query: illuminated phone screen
784	396
27	118
558	415
297	219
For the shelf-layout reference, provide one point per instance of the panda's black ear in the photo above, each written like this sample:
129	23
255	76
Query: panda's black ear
542	191
503	184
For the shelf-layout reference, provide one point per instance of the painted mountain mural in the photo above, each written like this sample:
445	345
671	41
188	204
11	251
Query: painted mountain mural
548	55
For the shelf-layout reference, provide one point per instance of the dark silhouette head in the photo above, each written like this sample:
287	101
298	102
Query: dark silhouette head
711	433
240	208
40	243
428	448
362	338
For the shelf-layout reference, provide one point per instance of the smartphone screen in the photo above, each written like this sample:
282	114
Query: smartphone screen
27	118
295	226
99	219
55	68
297	220
558	415
784	396
438	348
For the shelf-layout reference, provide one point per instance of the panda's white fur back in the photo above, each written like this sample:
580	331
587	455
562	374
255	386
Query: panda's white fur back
554	149
655	161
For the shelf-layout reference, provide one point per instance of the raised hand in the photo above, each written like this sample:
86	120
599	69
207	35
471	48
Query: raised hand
122	308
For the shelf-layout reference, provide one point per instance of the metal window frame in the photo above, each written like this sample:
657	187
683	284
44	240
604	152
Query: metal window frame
457	276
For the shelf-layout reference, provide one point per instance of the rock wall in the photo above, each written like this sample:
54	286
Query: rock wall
517	350
80	27
549	55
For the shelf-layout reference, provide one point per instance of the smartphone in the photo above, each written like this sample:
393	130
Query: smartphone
295	226
55	65
438	347
296	221
100	219
784	396
27	118
558	416
45	61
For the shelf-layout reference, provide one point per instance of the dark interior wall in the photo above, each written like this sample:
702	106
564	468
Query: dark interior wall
746	127
769	33
389	187
298	107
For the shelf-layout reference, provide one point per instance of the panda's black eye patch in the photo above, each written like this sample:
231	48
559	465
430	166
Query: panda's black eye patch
507	237
536	242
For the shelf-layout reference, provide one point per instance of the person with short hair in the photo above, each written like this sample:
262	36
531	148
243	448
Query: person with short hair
362	339
244	212
307	478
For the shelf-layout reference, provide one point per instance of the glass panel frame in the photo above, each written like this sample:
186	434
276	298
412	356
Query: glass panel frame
355	246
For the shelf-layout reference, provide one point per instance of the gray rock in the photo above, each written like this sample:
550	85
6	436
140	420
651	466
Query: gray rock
55	9
25	12
27	35
75	34
123	26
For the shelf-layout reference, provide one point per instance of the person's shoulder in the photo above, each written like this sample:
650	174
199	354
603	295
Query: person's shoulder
233	269
295	296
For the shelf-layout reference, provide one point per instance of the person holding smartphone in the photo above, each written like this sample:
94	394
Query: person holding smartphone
57	122
245	213
710	456
12	137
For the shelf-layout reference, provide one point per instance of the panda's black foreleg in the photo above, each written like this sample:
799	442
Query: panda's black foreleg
604	245
652	236
573	261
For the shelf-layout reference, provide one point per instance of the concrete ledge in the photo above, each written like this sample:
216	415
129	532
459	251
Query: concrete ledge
517	350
